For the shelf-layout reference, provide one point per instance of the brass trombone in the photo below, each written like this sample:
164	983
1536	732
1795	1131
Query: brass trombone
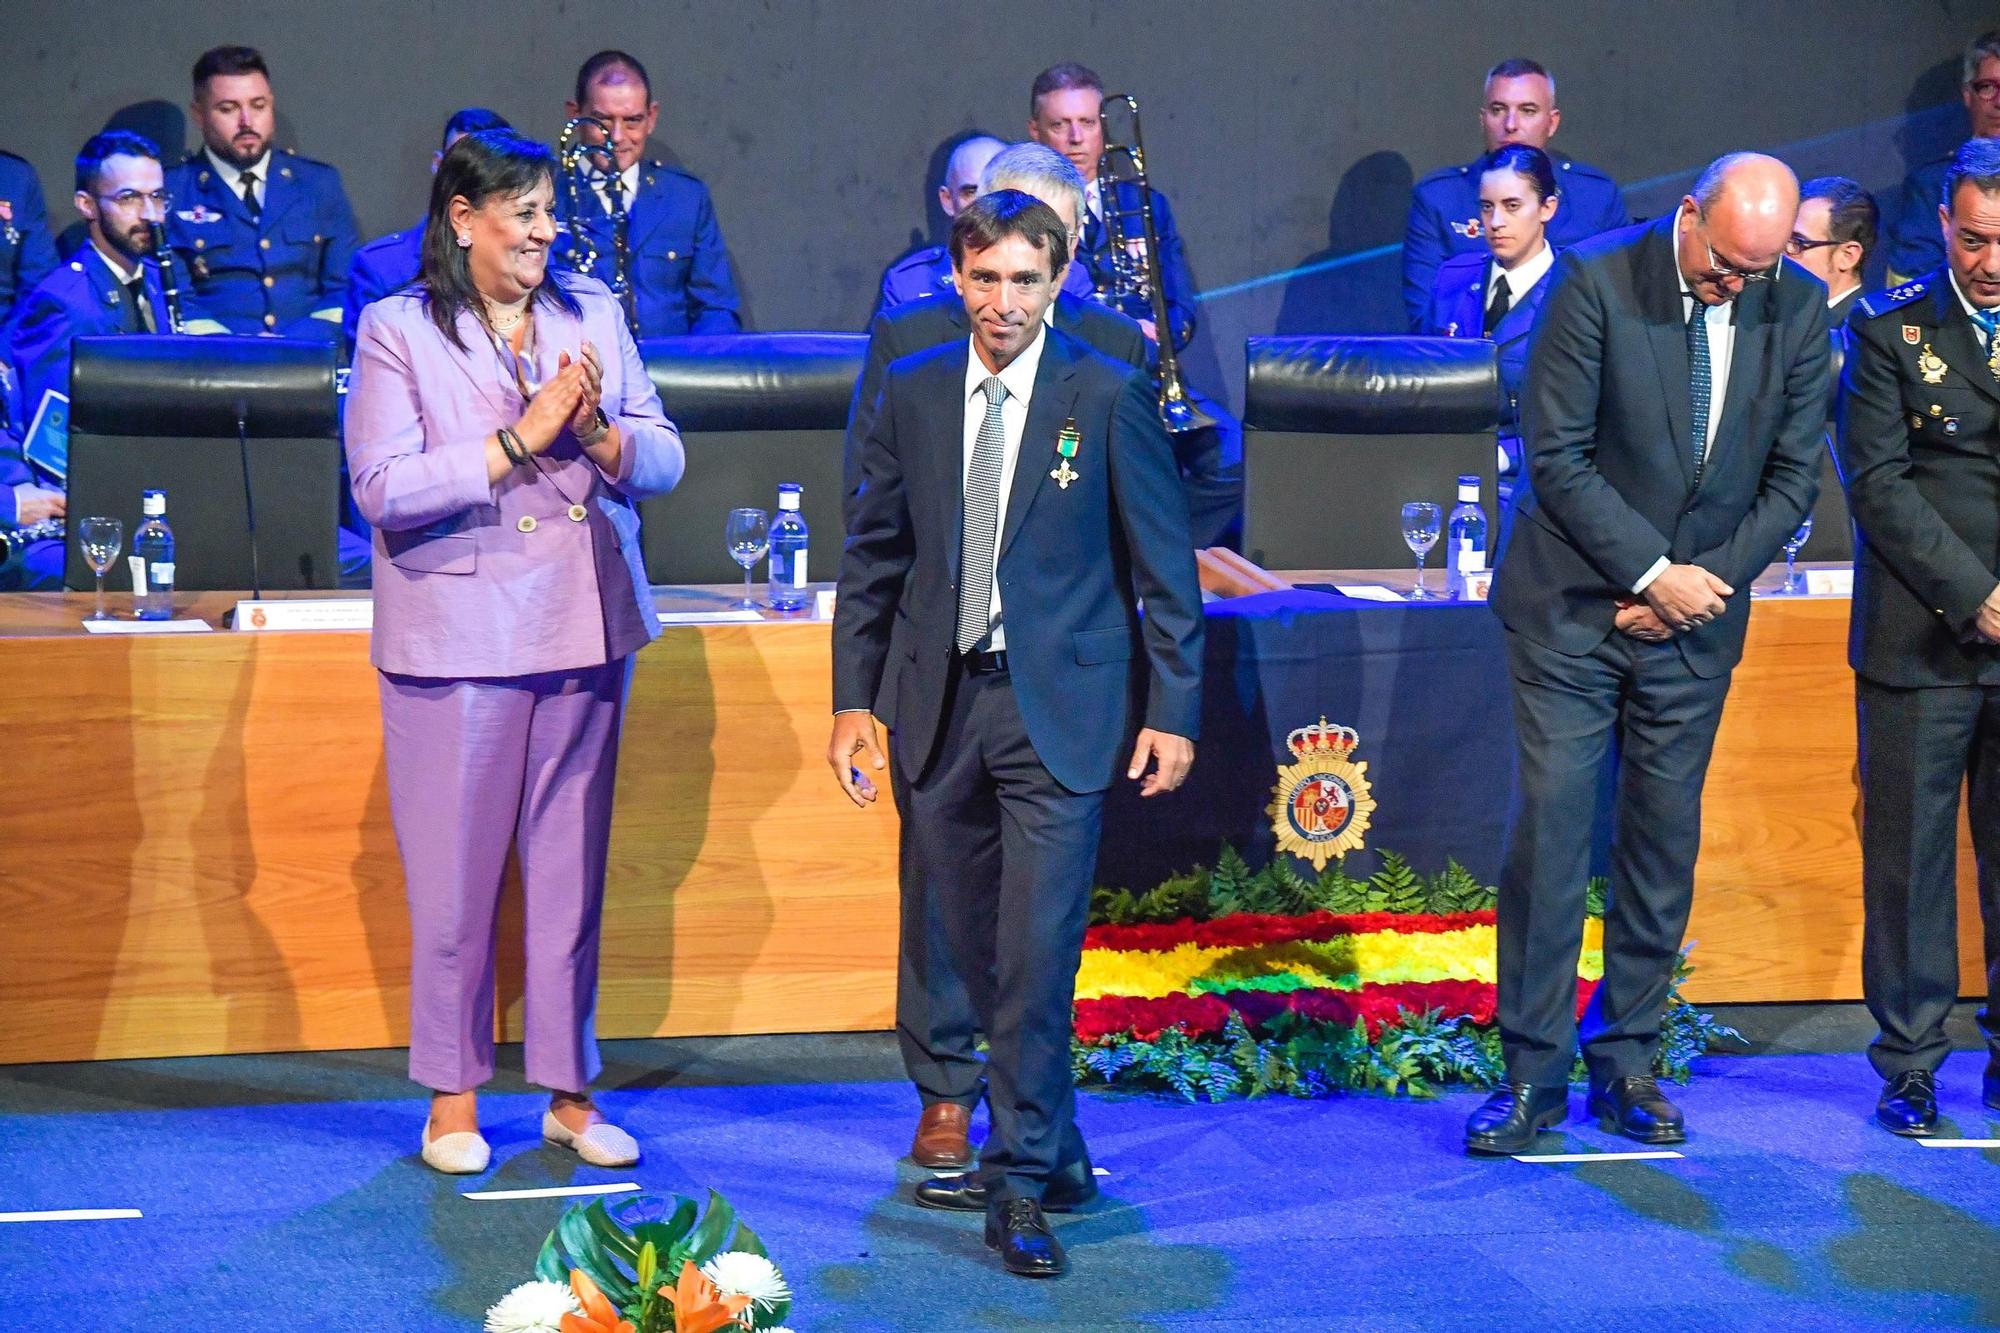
577	158
1135	258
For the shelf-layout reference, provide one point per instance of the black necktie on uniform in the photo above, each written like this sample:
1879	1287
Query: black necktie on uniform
250	195
142	314
1496	309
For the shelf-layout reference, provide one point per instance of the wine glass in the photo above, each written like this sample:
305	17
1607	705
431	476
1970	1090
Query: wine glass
1420	533
1794	581
748	535
100	540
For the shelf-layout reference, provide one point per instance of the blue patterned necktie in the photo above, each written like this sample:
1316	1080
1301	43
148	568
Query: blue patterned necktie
1701	382
1989	320
982	521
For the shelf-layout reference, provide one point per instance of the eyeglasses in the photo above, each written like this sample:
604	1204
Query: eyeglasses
1798	245
130	199
1986	90
1717	271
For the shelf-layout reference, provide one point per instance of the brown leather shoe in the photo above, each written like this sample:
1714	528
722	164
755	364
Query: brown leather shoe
941	1136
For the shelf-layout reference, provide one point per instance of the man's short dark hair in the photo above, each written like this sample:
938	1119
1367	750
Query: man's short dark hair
471	120
90	159
593	69
1851	214
1520	67
1061	78
1978	161
993	217
222	60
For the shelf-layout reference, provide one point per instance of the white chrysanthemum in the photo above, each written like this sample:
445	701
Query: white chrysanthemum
739	1274
532	1307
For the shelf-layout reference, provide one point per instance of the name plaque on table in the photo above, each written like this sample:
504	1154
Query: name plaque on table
336	613
1830	582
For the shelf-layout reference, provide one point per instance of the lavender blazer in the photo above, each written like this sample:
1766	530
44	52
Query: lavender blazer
460	588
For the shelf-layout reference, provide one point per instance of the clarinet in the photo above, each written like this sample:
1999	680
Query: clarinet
16	540
170	283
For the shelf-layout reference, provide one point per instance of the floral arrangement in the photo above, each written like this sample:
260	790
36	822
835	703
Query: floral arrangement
1231	982
643	1264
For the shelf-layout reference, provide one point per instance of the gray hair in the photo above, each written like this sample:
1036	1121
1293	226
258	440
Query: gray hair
1984	45
1036	170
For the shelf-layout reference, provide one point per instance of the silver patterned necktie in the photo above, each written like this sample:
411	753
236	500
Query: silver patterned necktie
982	521
1701	385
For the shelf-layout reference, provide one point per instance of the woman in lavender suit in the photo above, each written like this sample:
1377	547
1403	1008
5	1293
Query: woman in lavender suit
499	429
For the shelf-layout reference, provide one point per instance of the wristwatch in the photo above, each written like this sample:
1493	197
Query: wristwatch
599	431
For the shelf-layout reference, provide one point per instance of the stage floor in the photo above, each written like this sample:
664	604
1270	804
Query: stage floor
284	1192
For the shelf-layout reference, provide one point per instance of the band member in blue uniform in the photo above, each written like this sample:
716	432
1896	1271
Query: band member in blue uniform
1495	293
927	272
390	262
678	268
1064	113
27	252
111	287
1915	246
1519	107
266	236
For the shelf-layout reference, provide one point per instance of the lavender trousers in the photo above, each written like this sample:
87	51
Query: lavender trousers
476	767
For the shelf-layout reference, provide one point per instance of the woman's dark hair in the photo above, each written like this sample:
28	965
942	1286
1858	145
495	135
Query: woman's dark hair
480	166
1519	158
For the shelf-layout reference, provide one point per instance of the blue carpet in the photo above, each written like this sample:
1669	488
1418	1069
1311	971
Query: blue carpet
283	1192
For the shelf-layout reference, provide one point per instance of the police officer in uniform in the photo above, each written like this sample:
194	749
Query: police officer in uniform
1520	107
112	286
677	272
1914	246
389	263
266	236
1920	424
1064	114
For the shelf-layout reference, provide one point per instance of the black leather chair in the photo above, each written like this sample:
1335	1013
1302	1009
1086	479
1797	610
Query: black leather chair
1833	528
753	409
163	413
1340	431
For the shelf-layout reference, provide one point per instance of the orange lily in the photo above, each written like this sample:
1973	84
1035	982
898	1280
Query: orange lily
599	1316
698	1306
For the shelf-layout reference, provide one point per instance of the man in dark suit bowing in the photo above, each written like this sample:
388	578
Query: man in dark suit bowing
1675	402
1920	422
1018	499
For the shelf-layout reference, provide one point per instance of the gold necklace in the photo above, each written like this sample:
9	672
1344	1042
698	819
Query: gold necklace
505	322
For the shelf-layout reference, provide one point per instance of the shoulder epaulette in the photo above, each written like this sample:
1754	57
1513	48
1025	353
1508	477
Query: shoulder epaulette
1881	303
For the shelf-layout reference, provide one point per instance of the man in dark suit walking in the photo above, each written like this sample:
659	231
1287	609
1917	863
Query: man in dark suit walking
1018	499
1675	401
1920	422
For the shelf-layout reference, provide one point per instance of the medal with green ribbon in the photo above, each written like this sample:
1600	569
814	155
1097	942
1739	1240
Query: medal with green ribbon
1066	443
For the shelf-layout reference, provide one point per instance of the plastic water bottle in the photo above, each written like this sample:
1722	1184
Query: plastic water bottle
153	561
1465	536
788	553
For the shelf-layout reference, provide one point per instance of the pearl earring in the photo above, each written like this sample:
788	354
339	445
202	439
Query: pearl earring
464	241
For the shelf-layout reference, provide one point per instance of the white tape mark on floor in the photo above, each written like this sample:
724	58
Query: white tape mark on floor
1960	1143
1660	1155
74	1215
560	1192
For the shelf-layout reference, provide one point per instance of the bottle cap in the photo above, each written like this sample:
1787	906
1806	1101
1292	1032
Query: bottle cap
788	495
1468	488
153	504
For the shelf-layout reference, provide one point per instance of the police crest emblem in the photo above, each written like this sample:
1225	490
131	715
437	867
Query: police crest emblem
1322	804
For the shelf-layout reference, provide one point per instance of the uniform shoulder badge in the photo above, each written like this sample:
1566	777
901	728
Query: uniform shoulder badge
1322	804
1881	303
1469	228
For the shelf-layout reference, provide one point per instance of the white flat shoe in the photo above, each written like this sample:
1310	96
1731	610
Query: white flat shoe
602	1144
462	1154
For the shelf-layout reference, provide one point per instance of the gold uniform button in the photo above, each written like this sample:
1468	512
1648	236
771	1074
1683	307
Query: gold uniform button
270	321
577	513
200	243
526	523
672	255
270	281
264	244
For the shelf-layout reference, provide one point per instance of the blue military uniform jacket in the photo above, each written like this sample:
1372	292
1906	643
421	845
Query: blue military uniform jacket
27	252
282	272
1444	221
1916	241
927	272
80	299
384	265
1458	310
1095	253
679	270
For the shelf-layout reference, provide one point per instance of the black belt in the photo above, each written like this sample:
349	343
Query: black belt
983	664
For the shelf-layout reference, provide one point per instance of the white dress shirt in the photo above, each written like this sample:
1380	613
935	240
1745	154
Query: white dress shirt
1719	324
1019	377
1521	279
233	176
628	182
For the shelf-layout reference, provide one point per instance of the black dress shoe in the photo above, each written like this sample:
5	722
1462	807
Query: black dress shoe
1908	1105
1635	1107
964	1194
1989	1083
1507	1122
1017	1229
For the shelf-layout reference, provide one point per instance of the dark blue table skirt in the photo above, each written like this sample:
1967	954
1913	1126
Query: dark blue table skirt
1425	684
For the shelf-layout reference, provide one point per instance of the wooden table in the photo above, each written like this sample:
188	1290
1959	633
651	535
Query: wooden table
198	855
